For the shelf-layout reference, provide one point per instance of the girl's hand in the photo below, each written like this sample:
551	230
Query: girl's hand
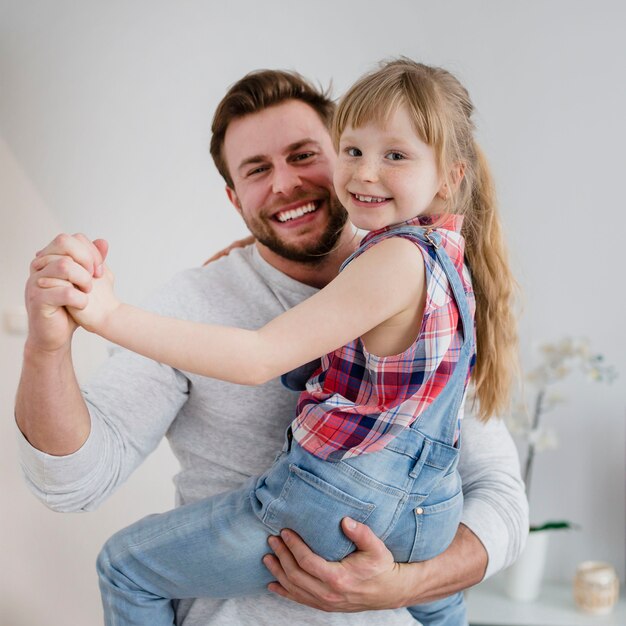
100	306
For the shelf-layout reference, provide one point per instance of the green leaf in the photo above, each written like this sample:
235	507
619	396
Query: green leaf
560	525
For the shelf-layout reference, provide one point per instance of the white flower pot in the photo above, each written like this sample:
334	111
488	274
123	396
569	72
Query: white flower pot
523	579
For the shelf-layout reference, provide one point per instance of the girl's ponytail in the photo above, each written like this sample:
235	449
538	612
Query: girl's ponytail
494	288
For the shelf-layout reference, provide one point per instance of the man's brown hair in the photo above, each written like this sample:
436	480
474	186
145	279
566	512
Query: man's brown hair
257	91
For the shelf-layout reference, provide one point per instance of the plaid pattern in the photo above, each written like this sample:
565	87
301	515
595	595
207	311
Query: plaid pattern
357	402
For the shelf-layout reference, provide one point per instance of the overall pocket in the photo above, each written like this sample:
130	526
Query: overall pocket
314	509
435	526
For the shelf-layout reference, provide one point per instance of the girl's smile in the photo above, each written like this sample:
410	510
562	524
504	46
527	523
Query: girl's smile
386	174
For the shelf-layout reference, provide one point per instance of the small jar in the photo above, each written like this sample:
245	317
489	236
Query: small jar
596	587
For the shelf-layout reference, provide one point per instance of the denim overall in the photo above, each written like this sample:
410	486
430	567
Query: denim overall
409	493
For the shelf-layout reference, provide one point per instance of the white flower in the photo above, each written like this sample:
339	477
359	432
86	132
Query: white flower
594	374
543	439
551	400
558	360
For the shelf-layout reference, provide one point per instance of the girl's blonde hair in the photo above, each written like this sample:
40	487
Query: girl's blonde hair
441	111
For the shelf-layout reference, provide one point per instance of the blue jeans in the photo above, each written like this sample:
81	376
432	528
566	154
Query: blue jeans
409	494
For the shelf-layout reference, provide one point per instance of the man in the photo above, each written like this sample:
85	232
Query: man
271	144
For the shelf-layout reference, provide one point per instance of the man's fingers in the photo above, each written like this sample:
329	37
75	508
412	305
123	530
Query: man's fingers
284	586
64	268
240	243
296	595
78	247
278	589
293	573
363	537
305	558
305	577
46	282
57	293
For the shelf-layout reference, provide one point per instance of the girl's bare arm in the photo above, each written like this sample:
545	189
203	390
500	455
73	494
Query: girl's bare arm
383	282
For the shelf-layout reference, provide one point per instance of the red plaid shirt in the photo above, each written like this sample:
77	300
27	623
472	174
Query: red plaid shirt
357	402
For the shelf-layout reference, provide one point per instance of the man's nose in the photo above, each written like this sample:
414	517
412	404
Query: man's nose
285	179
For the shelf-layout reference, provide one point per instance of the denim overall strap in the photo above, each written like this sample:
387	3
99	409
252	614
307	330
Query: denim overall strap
452	274
442	416
438	422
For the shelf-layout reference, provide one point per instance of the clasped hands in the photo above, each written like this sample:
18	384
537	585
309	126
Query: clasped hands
71	273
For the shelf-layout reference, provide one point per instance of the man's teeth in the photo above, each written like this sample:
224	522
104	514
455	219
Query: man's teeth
368	198
294	213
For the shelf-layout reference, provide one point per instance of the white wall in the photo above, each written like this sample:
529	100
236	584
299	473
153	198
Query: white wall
105	109
41	550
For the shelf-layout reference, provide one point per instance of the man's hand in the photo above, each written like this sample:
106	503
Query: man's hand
49	408
61	275
240	243
366	579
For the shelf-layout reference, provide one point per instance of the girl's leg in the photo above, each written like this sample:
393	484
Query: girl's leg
210	548
450	611
213	548
430	528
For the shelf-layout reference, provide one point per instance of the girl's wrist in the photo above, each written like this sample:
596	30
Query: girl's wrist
112	321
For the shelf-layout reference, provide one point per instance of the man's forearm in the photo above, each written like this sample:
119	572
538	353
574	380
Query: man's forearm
49	408
460	566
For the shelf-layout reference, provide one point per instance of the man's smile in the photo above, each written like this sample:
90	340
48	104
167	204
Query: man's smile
296	212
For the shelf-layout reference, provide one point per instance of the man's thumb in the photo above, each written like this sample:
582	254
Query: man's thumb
361	535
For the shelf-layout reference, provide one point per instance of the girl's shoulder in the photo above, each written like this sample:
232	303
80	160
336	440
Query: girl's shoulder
394	239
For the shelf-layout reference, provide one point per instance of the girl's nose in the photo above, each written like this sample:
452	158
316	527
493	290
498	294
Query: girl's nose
366	170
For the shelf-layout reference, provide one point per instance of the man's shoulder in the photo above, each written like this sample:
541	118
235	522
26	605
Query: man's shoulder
239	288
237	260
214	286
220	273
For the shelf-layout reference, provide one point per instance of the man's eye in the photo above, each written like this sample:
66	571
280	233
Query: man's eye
395	156
303	156
257	170
353	152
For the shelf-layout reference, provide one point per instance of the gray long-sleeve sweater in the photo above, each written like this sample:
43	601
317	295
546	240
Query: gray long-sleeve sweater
222	433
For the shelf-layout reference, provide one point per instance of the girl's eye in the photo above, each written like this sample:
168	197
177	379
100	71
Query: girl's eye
395	156
353	152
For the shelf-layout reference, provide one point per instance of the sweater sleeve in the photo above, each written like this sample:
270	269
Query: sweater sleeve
132	402
495	505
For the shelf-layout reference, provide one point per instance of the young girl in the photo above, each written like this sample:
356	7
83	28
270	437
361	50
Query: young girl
376	435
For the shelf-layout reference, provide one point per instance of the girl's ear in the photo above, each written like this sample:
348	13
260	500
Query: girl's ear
455	176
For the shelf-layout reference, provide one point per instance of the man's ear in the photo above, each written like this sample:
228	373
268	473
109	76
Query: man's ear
234	200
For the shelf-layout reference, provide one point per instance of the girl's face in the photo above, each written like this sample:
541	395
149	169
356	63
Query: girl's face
387	174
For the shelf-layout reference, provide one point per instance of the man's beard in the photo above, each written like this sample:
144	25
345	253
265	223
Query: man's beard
312	253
